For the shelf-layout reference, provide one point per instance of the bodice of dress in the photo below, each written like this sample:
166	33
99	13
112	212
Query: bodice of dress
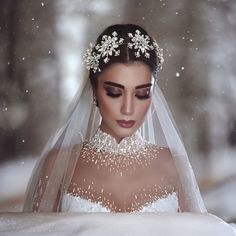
72	203
118	162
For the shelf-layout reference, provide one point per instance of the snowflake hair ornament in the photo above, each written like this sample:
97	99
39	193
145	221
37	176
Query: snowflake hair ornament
109	46
159	53
91	59
142	44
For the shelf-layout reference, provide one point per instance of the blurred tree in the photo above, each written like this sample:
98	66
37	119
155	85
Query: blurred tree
29	76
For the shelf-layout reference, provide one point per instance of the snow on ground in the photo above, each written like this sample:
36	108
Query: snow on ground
14	177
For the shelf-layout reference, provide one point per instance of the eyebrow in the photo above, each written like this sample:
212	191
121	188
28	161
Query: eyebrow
122	86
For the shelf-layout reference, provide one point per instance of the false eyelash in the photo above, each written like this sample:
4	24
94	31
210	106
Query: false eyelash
143	97
113	95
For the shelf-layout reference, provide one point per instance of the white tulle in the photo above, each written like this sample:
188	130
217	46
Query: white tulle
159	128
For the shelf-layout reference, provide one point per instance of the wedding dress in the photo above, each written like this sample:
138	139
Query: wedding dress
104	159
130	176
72	203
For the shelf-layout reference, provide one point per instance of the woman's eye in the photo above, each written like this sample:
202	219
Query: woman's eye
145	94
113	95
143	97
113	92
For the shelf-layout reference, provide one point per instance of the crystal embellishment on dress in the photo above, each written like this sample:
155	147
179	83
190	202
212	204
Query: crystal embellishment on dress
102	150
118	177
105	142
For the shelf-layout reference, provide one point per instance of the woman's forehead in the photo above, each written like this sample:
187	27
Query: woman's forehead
128	75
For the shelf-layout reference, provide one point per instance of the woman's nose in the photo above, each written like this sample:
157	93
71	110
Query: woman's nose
128	105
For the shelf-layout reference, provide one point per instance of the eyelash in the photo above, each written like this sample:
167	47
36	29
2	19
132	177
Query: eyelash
143	97
113	95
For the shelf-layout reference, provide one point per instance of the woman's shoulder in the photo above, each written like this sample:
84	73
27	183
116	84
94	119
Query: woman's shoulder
164	164
163	157
159	150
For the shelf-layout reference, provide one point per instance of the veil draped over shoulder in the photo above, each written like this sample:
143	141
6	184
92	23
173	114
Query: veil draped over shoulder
50	183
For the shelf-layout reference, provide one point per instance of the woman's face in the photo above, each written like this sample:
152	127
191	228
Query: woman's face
124	96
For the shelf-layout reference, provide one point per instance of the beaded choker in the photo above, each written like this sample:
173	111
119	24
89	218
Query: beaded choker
125	157
102	141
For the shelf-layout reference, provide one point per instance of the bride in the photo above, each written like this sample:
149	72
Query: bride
119	150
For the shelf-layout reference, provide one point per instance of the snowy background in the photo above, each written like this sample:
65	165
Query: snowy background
41	43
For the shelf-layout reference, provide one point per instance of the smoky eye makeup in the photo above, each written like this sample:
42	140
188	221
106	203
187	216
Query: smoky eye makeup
112	91
144	93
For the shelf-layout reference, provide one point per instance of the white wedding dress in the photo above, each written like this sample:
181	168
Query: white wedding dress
131	158
72	203
103	185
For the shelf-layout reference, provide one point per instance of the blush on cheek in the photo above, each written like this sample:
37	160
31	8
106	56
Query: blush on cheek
107	106
145	108
143	112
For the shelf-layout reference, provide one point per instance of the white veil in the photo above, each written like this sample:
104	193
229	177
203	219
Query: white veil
53	172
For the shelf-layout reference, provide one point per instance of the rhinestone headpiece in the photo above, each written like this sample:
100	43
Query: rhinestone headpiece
110	47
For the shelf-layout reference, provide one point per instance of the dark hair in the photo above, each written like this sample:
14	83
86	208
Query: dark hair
126	55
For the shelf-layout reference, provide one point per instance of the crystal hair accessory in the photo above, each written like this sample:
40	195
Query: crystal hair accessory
109	47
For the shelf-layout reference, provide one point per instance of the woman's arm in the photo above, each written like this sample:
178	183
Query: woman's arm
43	182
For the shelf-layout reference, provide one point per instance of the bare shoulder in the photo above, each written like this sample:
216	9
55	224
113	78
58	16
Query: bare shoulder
163	152
163	159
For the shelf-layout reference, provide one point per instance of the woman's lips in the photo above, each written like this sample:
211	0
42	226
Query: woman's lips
126	123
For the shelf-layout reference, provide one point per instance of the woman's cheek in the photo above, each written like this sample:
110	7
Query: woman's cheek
144	109
108	105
